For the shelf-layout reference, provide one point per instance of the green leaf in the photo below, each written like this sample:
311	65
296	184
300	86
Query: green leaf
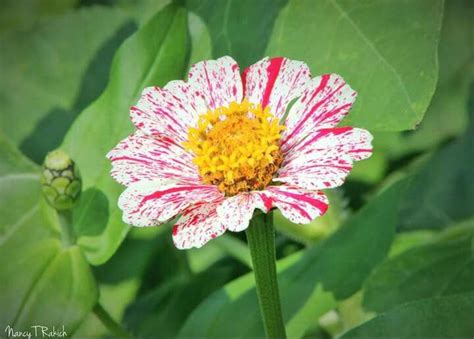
456	50
52	70
13	162
200	40
442	317
154	55
446	116
386	50
164	309
43	281
141	10
25	13
443	190
309	281
239	28
120	278
407	240
443	266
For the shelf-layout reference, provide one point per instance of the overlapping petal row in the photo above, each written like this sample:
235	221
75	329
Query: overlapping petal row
163	181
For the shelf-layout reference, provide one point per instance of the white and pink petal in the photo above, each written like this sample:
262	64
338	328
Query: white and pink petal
237	211
356	142
218	80
198	224
143	157
319	170
275	83
168	111
297	205
325	101
325	158
149	203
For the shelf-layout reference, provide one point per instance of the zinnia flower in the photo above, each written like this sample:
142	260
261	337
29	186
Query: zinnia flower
223	144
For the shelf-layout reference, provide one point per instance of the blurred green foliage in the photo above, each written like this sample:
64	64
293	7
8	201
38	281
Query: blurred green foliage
395	246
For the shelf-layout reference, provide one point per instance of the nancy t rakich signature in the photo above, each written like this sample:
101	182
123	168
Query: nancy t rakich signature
36	331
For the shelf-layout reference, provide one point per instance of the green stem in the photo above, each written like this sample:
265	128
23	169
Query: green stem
67	232
114	327
261	240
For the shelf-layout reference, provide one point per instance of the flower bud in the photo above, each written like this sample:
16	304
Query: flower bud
60	181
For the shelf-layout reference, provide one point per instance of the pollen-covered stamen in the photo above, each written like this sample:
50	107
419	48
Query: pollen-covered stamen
237	147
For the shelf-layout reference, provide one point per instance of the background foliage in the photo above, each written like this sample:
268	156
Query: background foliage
394	254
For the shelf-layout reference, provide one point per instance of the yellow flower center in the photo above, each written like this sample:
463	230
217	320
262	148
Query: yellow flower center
237	147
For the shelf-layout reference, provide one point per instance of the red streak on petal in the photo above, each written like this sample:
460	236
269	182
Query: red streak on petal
267	201
193	220
323	132
131	159
299	209
244	80
323	83
160	194
301	197
272	70
362	150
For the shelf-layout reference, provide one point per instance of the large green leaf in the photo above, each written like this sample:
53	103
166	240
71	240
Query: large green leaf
386	50
443	266
165	308
239	28
141	10
442	317
446	116
443	190
309	281
52	70
154	55
44	281
120	278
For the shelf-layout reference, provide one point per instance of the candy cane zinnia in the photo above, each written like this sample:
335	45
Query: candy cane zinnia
223	144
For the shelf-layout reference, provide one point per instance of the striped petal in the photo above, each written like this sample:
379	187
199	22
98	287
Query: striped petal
356	142
219	81
198	225
236	212
275	82
142	157
149	203
324	159
323	104
297	205
168	111
324	169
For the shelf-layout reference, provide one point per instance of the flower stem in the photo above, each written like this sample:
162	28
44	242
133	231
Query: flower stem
261	240
67	231
115	328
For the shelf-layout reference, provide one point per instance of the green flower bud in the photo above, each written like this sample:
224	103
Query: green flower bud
60	181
